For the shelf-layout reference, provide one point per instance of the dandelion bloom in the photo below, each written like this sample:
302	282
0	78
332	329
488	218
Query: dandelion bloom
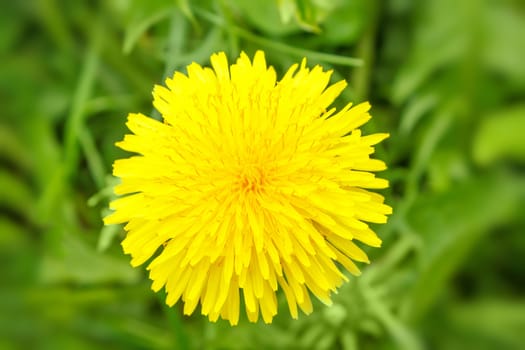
250	184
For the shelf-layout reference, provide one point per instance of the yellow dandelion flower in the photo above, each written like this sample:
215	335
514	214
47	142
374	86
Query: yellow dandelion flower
250	185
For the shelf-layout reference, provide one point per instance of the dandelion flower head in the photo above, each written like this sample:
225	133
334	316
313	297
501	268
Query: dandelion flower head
249	186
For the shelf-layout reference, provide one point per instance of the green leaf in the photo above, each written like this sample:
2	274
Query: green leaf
487	324
450	224
80	263
501	135
437	128
436	27
505	47
13	235
265	16
16	194
11	148
415	110
345	22
143	15
307	15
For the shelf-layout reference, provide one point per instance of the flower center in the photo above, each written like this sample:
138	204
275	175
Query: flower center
251	179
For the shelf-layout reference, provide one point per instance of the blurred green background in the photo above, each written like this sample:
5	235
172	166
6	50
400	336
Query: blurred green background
446	79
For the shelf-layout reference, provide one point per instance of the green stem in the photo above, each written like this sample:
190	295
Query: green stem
433	135
404	337
361	77
175	321
53	20
94	160
233	38
382	268
279	46
75	121
176	42
175	46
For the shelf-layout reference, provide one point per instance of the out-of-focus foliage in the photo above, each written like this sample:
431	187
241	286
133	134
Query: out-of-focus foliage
445	78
